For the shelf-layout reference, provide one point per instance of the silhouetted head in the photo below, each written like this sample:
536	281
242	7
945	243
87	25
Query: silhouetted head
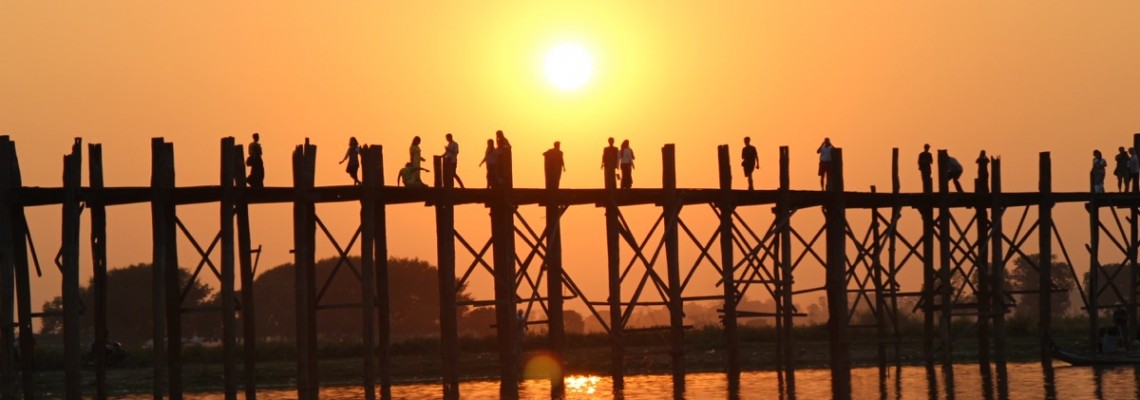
625	144
448	137
498	134
256	137
1096	153
827	141
352	141
926	147
407	165
747	140
982	154
611	140
490	143
557	144
1131	150
416	141
1122	150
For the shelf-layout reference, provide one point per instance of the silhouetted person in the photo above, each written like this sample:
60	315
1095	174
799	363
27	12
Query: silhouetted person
609	163
1097	173
491	159
983	172
824	151
554	165
1133	170
925	161
503	153
626	157
256	176
410	176
450	161
749	160
1121	170
416	157
954	171
353	158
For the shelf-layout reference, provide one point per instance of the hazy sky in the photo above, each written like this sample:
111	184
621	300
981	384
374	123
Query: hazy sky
1012	77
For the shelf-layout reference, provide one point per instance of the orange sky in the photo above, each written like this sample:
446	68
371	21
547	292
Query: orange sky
1013	77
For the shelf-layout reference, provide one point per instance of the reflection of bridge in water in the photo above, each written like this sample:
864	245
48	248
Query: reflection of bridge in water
963	249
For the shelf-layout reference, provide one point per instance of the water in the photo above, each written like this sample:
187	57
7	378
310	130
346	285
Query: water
965	381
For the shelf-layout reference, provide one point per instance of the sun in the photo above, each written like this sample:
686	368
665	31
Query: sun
568	66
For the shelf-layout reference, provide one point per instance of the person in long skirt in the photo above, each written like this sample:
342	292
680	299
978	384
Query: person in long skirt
353	158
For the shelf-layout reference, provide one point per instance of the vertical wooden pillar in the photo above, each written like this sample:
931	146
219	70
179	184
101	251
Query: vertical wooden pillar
7	273
836	278
727	262
98	263
304	238
981	188
892	263
785	308
72	343
613	269
1134	270
445	257
23	282
245	264
672	209
1093	301
380	259
229	171
880	295
172	282
554	282
160	183
928	275
997	266
946	290
1045	263
368	269
503	235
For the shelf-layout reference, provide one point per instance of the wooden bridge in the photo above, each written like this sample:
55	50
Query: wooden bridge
963	248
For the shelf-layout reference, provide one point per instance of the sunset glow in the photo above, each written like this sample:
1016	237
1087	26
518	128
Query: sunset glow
568	66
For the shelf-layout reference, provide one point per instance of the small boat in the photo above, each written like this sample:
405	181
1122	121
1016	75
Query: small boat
1084	358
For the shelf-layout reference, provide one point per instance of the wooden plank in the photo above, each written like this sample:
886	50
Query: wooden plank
98	266
676	304
836	220
72	343
229	170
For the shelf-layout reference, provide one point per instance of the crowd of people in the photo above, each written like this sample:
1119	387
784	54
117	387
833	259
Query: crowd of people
618	162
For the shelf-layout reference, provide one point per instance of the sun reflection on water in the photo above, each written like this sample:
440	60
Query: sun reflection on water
581	384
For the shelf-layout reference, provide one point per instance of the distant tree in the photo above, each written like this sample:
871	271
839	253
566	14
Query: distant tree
478	321
1024	276
572	322
129	310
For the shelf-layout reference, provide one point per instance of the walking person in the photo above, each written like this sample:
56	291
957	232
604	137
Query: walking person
1133	170
504	169
256	176
824	151
749	160
353	158
416	159
626	157
554	165
1121	170
983	172
491	159
450	161
609	164
954	171
925	161
1097	173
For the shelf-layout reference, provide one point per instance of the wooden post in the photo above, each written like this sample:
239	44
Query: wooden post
160	184
981	187
367	268
173	301
1093	303
1134	275
72	343
880	296
245	263
727	263
304	238
892	263
1045	263
7	273
836	278
928	277
946	291
503	235
672	210
445	257
613	269
383	309
23	282
98	263
997	267
229	171
554	282
785	307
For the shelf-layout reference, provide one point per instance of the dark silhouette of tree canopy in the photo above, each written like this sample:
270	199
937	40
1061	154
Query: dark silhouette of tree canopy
1024	276
129	309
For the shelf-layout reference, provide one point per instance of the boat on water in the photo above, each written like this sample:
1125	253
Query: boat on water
1084	358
